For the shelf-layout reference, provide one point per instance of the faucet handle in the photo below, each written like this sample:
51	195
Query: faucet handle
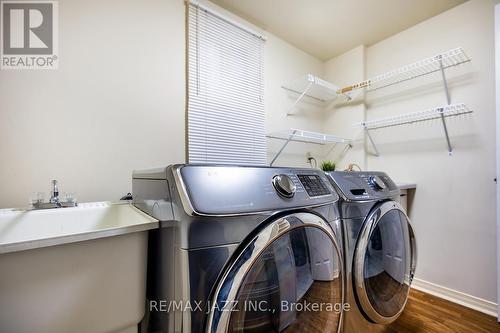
36	198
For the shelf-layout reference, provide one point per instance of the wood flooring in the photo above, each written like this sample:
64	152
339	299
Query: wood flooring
430	314
424	313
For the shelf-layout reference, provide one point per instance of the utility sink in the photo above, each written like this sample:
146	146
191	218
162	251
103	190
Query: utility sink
80	269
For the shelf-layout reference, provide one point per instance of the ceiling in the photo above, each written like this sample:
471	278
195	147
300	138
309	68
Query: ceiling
327	28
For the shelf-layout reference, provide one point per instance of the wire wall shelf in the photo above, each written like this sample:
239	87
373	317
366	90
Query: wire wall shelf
298	135
420	68
321	90
415	117
313	87
440	113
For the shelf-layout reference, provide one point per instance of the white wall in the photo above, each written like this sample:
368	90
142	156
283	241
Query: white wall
117	101
115	104
454	207
497	86
285	63
341	115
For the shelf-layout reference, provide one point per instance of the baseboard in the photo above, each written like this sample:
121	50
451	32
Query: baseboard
472	302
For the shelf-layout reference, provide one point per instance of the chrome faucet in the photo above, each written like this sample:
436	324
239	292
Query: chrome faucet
54	198
54	201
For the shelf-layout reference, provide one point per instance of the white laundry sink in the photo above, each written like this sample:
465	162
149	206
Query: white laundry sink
80	269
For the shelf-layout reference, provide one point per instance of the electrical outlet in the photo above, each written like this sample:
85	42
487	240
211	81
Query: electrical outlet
308	157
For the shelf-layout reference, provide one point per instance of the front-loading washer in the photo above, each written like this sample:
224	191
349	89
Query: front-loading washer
380	249
242	249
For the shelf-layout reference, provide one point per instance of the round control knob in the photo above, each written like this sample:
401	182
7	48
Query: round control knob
377	182
284	185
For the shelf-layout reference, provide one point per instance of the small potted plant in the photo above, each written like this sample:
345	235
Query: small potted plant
328	166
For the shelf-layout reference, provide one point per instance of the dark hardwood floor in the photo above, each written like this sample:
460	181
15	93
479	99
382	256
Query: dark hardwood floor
427	313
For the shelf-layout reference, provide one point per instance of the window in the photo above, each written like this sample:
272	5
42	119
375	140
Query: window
226	123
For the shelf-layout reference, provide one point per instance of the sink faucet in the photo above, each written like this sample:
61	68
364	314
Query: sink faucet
54	201
55	193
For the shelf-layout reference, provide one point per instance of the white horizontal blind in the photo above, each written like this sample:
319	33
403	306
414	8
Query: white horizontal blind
226	123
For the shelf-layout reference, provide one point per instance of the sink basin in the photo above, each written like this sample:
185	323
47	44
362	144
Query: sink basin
22	230
80	269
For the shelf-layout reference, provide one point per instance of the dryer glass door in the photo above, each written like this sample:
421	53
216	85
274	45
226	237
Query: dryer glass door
384	263
288	278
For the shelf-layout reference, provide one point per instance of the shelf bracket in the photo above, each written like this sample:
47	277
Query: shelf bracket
331	149
450	150
283	147
344	151
445	83
290	111
367	131
441	111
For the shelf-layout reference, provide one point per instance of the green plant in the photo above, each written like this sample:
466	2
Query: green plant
328	166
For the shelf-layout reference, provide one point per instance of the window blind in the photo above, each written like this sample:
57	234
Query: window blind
226	120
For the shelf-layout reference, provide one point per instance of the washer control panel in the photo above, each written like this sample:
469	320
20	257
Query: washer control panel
361	186
313	185
222	190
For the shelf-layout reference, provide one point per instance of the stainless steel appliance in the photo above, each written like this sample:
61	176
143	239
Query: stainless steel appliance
242	249
380	249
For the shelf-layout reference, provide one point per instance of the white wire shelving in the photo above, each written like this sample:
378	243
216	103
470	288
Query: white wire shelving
419	116
313	87
439	62
440	113
321	90
298	135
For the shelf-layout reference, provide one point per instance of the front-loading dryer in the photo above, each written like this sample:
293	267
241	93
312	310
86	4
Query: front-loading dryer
380	249
242	249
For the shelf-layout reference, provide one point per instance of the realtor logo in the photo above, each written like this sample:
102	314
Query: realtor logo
29	33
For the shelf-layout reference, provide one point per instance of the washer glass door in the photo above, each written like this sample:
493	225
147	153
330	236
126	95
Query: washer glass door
384	263
288	278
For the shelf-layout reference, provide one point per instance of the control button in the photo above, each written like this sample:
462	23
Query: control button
284	185
313	185
377	183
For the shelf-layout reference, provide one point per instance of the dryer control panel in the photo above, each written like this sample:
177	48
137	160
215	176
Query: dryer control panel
364	185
